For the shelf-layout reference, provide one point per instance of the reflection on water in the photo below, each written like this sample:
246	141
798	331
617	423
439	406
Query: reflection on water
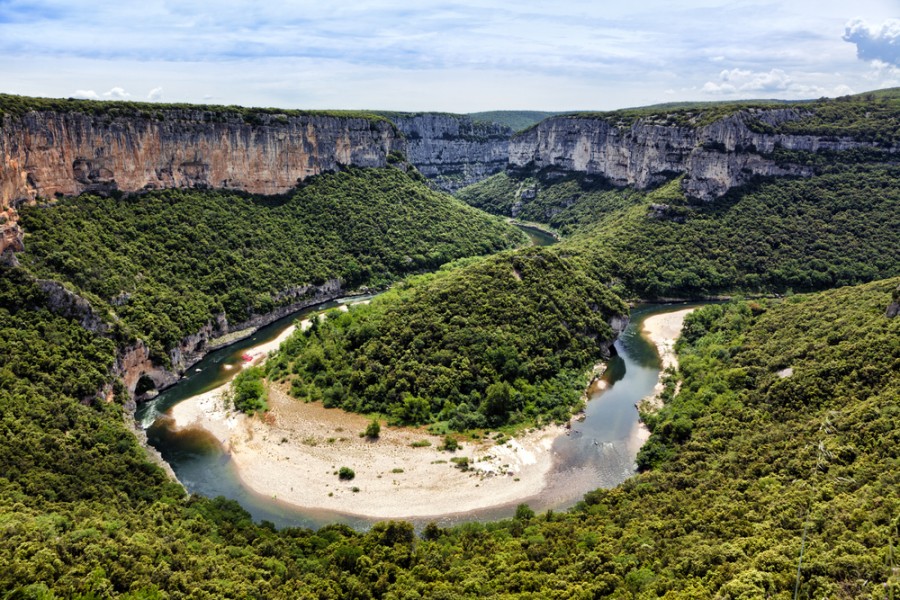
538	237
598	452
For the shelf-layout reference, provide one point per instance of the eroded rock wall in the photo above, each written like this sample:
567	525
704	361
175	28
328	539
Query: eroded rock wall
715	157
452	150
44	154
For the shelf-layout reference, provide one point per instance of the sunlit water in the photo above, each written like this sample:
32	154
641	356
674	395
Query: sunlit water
597	452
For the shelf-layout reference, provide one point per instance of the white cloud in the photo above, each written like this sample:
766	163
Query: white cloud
742	80
843	90
460	56
86	95
116	93
874	42
883	74
155	94
744	83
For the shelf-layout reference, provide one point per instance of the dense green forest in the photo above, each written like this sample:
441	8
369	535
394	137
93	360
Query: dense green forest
772	473
839	227
747	467
166	262
505	339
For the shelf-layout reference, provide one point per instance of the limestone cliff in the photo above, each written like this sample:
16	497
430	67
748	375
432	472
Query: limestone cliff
714	157
45	153
452	150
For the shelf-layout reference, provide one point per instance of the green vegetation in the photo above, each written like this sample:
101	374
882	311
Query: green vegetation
373	430
870	116
839	227
517	120
248	391
782	440
506	339
17	106
744	462
567	204
165	263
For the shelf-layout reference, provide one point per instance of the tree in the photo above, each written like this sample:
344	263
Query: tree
373	430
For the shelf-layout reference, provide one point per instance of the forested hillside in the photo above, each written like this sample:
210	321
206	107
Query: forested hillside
165	263
839	227
492	341
772	473
783	440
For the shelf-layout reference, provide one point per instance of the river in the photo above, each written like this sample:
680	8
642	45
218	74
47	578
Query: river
597	452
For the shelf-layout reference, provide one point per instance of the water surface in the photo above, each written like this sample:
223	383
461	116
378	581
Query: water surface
598	452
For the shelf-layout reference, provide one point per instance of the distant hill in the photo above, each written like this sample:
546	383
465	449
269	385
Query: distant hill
515	119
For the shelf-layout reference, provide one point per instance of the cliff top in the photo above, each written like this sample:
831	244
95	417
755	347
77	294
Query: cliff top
19	105
870	116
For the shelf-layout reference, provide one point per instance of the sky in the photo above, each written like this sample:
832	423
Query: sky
447	56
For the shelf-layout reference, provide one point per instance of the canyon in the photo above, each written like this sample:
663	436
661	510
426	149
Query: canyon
50	153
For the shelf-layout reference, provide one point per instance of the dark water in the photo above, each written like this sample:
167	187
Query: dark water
598	452
538	237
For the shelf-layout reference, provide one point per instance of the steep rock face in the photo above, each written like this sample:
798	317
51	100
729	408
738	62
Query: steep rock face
45	153
134	362
715	157
617	323
452	150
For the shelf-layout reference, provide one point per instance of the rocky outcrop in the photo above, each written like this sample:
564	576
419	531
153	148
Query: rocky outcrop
72	306
714	158
44	154
134	361
893	308
452	150
617	323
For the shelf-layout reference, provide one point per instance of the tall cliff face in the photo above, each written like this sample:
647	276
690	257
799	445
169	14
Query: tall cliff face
452	150
715	157
46	153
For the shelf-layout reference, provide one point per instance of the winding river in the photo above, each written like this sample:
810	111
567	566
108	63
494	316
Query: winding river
596	452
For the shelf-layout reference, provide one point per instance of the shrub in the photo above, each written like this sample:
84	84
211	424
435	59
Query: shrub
373	430
346	474
249	393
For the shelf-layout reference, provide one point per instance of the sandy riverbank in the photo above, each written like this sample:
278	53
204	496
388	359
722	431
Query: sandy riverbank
663	330
294	451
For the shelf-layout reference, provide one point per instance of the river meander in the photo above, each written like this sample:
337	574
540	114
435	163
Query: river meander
596	452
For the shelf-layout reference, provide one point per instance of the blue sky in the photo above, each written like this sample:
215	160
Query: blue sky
450	56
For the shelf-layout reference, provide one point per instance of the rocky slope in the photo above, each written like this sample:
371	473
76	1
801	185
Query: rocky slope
715	157
44	153
452	150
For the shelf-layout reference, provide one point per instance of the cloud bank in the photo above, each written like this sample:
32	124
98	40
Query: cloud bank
454	55
881	43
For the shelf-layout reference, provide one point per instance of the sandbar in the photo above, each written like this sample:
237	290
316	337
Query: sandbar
663	330
293	453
